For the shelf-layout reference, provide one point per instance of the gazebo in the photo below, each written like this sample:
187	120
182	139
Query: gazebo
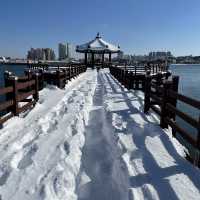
97	46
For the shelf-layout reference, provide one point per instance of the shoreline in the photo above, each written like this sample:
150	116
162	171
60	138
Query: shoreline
185	64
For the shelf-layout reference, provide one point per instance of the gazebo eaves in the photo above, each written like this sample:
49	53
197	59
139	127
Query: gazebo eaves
98	46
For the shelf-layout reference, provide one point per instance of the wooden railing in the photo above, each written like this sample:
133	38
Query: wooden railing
22	93
57	75
162	97
141	69
133	77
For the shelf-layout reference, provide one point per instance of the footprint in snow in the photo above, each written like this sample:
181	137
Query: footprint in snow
42	192
74	94
66	147
27	159
70	100
73	127
5	173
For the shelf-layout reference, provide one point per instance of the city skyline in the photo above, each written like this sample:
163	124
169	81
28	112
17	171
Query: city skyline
139	27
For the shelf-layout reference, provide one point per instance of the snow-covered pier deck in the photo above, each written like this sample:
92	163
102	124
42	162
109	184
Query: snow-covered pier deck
92	141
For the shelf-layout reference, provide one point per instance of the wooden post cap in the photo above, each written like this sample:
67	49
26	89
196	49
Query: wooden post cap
13	78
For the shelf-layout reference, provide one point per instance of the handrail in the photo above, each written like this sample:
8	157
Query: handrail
188	100
6	90
167	102
26	88
162	96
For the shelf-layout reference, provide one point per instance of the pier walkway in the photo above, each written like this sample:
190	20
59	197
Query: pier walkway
91	140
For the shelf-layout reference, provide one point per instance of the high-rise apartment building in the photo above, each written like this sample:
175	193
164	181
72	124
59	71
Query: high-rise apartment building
41	54
66	51
62	51
160	55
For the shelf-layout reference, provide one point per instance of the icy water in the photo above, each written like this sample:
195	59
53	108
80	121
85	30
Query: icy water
16	69
189	76
188	85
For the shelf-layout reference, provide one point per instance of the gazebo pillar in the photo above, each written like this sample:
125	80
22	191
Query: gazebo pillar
110	57
86	60
103	60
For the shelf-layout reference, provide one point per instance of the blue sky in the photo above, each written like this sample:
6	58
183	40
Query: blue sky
138	26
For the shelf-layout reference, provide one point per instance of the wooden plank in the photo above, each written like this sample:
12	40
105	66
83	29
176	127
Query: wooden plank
25	85
155	109
6	90
5	118
6	104
187	100
156	98
27	106
181	131
183	116
22	96
23	78
26	100
157	88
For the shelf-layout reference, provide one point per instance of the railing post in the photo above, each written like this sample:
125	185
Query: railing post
175	83
65	74
15	108
197	153
41	81
165	100
126	78
147	92
58	78
135	69
7	82
28	73
69	71
159	79
7	76
167	75
72	72
130	80
36	95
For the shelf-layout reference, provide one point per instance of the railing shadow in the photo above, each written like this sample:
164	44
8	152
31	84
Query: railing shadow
155	175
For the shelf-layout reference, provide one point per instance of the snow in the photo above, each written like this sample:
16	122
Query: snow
98	44
154	160
90	141
41	153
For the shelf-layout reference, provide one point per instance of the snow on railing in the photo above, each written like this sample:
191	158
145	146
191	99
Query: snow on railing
22	93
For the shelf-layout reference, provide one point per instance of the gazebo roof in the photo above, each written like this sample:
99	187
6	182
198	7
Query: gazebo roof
98	45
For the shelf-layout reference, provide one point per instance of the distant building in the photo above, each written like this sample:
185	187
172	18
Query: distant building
71	51
41	54
68	52
160	55
62	51
49	54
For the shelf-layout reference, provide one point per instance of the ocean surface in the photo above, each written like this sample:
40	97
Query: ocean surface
189	85
16	69
189	82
